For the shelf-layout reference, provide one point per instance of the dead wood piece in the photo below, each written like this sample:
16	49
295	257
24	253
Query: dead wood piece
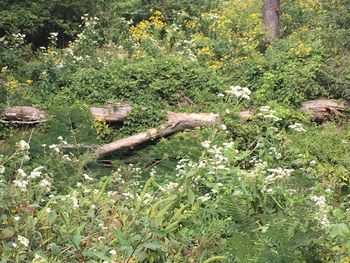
23	115
245	115
176	122
111	113
323	109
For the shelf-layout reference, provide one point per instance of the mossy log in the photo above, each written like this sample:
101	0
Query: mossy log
323	109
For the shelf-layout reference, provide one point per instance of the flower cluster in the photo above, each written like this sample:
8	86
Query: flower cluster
23	146
239	92
278	173
298	127
267	113
321	215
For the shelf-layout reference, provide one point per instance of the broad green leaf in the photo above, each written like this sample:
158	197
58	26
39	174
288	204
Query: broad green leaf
153	245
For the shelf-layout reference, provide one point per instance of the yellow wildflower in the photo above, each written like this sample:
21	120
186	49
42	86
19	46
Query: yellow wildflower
11	84
205	51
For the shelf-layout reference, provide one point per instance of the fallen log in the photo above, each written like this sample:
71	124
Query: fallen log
111	113
32	115
323	109
176	122
23	115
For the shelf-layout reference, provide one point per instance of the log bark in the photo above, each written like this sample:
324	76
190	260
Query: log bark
176	122
111	113
23	115
323	109
32	115
271	18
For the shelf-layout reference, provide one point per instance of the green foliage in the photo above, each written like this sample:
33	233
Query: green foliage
270	188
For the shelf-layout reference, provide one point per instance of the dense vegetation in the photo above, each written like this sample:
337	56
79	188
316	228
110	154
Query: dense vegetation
274	188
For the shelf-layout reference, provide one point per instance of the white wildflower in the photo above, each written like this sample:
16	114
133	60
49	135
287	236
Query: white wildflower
66	158
45	183
35	174
127	195
112	252
237	193
298	127
24	241
206	144
278	173
170	186
39	168
152	172
54	147
87	177
38	258
223	127
228	145
17	218
22	184
321	215
2	169
75	202
21	173
319	200
205	197
23	146
239	92
269	191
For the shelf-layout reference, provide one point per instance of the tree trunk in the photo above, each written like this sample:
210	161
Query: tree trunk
271	18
